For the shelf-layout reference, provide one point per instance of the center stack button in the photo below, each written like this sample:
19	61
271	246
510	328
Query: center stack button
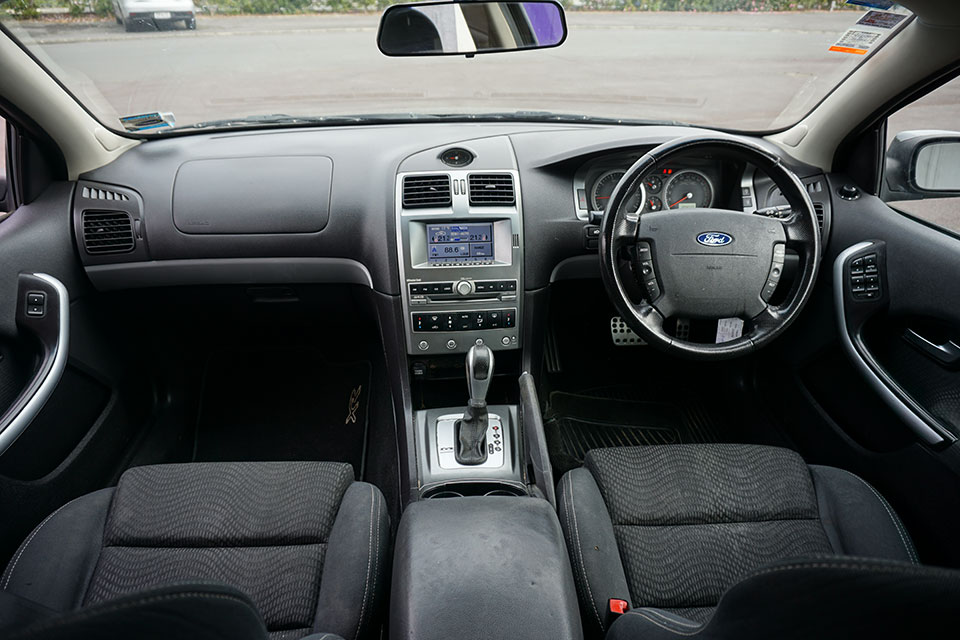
464	288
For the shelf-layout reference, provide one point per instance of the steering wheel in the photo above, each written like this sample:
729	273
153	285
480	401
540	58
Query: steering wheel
708	263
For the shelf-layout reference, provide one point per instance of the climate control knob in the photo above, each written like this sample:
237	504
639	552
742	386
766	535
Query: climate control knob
464	288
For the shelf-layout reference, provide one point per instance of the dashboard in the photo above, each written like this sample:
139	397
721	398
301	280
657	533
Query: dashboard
459	248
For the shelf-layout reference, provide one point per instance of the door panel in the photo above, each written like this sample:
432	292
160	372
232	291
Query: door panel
75	443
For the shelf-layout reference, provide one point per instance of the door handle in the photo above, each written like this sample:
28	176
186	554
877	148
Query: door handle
43	310
946	353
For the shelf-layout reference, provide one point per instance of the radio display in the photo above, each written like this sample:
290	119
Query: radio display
460	243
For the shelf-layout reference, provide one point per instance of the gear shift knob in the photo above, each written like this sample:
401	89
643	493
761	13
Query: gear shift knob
479	372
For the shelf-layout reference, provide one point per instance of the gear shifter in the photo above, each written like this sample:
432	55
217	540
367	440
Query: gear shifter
472	428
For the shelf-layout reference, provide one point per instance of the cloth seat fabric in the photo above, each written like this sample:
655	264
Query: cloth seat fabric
303	543
675	527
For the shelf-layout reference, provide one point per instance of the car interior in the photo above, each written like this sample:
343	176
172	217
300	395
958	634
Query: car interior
469	377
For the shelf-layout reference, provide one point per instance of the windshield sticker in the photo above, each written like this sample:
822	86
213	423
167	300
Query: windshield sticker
881	19
873	4
148	121
856	41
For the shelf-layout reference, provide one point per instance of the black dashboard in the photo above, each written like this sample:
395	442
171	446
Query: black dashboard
321	205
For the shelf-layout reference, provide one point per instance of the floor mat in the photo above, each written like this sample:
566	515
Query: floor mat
614	417
283	405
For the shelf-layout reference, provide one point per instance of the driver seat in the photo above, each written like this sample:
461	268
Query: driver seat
740	541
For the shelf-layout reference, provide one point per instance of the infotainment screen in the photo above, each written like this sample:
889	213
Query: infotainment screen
460	243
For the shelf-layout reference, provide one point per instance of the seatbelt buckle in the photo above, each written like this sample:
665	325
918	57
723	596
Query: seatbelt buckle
615	608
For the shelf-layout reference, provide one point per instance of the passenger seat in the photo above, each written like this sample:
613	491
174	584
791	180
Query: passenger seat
206	550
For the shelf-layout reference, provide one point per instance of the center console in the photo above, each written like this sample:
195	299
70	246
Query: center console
460	244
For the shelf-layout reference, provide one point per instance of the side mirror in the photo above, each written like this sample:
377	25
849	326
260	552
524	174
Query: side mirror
470	27
922	164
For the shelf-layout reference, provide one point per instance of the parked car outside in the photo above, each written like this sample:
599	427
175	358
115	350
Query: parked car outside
154	14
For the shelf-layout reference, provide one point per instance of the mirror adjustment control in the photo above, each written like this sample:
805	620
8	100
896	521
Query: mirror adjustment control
36	304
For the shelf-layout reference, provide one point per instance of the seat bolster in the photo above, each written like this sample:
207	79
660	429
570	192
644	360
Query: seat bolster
355	581
648	623
592	545
826	597
54	564
195	611
858	521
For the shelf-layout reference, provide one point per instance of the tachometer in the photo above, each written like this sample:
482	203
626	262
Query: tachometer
603	188
688	189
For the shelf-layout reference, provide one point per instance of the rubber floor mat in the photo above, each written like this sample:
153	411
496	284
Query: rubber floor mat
283	405
576	423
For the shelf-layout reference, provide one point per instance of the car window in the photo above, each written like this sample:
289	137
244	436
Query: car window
924	136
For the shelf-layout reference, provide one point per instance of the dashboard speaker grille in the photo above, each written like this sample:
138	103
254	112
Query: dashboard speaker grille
107	232
491	190
426	191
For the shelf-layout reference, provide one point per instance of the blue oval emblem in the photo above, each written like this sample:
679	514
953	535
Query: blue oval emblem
714	239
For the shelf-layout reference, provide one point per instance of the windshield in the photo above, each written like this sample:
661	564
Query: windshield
173	65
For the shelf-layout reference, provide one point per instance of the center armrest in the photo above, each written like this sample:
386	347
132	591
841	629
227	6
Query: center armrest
482	567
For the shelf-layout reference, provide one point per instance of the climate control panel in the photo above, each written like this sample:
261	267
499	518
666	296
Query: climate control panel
464	320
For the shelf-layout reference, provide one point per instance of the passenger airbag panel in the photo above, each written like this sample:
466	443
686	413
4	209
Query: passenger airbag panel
260	195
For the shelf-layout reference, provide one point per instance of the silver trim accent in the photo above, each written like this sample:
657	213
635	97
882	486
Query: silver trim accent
459	211
917	424
592	194
447	443
669	183
52	376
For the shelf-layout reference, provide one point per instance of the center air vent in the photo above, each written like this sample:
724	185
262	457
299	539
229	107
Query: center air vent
491	190
107	232
426	191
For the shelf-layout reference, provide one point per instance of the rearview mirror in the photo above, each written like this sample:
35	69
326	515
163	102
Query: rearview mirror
923	164
471	27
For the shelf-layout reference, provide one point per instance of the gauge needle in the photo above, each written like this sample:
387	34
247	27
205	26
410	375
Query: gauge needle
689	195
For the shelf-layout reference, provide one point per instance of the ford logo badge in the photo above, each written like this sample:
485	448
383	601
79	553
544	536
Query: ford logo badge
714	239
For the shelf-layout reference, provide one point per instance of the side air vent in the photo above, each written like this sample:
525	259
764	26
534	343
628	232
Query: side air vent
491	190
818	209
426	191
107	232
91	193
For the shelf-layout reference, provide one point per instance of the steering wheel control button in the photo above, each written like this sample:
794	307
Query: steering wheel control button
776	270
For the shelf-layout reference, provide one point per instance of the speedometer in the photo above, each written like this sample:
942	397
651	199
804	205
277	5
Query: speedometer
603	188
688	189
